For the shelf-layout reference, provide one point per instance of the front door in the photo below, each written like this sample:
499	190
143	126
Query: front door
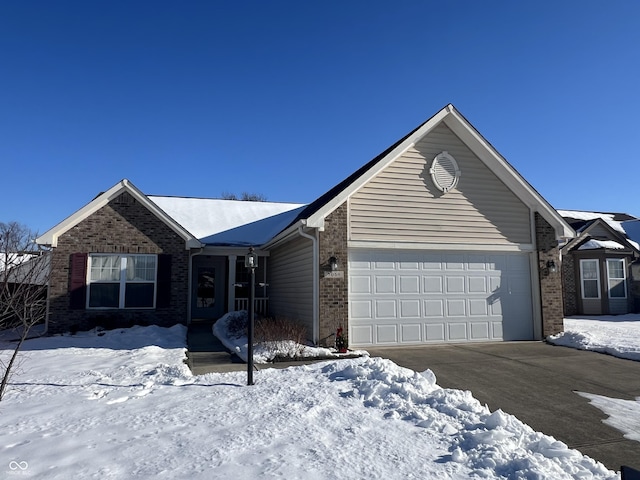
208	286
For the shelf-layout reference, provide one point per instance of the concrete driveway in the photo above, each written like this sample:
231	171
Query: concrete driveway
537	382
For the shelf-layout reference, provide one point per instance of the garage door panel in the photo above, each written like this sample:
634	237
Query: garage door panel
420	297
386	309
457	331
362	335
411	333
454	262
477	285
477	262
432	262
387	334
496	330
385	284
432	284
455	284
479	331
456	307
361	309
434	332
360	284
410	309
478	307
433	308
409	284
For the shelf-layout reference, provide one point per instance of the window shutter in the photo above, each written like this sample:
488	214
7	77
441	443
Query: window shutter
78	281
163	293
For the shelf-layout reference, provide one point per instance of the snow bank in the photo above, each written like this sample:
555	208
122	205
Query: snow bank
122	404
617	335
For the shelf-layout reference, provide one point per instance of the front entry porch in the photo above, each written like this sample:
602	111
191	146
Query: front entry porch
220	284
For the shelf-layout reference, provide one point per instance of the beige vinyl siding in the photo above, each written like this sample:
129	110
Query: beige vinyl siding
291	282
601	232
401	204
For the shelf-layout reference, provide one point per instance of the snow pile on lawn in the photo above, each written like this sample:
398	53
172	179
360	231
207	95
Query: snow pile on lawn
121	404
617	335
235	339
623	415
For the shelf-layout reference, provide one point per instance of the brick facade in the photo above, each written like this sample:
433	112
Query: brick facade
569	285
333	291
121	226
550	283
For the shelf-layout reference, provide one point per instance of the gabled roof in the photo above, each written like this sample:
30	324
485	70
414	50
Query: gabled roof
586	223
51	236
579	220
315	212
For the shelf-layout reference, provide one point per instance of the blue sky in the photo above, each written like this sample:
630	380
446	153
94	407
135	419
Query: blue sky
287	98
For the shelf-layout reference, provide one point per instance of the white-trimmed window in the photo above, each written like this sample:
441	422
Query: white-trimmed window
617	278
122	281
590	278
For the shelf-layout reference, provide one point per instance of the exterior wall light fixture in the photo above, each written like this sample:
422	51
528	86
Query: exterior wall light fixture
551	266
333	263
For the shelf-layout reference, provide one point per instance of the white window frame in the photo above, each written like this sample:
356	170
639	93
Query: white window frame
122	281
623	278
582	279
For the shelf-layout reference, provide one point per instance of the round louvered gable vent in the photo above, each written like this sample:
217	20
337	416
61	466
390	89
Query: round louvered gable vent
444	172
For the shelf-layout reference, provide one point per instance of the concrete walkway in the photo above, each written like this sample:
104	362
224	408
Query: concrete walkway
207	354
537	382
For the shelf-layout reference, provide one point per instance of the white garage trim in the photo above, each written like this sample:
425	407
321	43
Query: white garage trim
526	247
415	297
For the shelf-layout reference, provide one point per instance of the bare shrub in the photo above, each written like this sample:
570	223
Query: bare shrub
237	323
24	278
275	329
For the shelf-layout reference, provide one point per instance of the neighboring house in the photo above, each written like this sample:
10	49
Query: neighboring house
437	239
600	267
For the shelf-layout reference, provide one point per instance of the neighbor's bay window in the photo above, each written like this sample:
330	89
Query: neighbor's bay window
122	281
617	278
590	278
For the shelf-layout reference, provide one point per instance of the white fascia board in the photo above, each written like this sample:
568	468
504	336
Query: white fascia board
454	247
282	236
506	173
50	237
317	219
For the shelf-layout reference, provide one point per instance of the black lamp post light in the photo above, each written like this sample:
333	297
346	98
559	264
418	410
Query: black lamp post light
251	262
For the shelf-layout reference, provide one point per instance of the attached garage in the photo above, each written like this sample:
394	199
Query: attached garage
437	239
413	297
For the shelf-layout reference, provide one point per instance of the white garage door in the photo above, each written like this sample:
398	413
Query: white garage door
411	297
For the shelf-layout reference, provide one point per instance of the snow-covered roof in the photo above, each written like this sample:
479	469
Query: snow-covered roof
228	222
620	222
609	218
595	244
632	228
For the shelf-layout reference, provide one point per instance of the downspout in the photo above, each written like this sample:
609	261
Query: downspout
536	300
316	255
190	281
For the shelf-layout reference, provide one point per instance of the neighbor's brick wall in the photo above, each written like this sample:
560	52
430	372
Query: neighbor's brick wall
550	283
122	226
334	295
569	285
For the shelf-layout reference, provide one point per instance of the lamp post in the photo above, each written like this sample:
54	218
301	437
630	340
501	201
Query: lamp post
251	262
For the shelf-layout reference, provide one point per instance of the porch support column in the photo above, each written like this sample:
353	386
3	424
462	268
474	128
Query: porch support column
231	297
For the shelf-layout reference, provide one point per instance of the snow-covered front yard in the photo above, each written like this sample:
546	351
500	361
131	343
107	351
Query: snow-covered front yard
122	404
